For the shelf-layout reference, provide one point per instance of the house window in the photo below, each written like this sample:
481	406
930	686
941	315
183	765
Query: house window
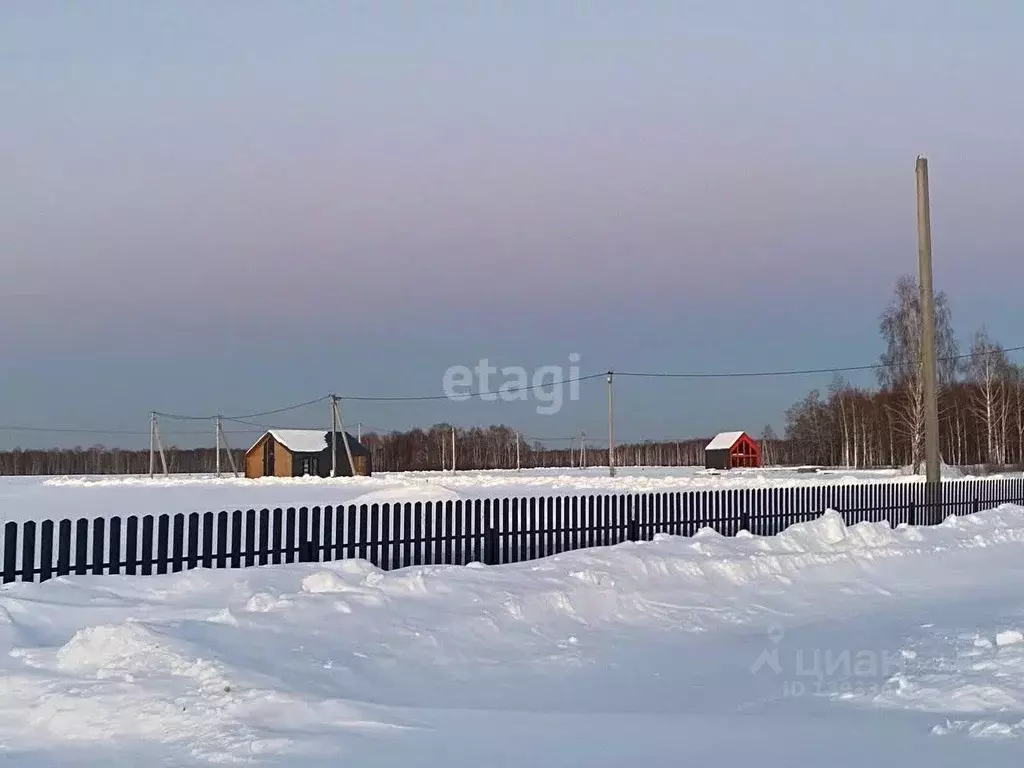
310	465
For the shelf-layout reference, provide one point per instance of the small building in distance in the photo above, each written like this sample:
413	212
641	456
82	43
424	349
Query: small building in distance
730	450
300	452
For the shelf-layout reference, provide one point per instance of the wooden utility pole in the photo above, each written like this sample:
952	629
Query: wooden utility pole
930	373
611	429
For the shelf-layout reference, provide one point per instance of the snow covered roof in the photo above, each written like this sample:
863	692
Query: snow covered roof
308	440
724	441
301	440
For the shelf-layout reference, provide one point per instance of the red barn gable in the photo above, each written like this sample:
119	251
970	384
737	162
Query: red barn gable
732	449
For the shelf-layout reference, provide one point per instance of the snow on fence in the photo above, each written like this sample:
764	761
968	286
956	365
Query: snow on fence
490	531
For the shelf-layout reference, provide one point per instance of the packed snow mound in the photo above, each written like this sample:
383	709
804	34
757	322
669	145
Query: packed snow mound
946	471
1009	637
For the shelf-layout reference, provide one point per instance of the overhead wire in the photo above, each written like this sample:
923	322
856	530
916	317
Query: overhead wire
243	419
803	371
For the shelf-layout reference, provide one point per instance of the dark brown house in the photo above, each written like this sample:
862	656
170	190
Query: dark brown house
732	449
301	452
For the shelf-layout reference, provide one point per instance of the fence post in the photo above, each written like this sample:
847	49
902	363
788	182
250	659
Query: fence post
491	545
912	513
306	552
633	529
976	505
10	562
745	521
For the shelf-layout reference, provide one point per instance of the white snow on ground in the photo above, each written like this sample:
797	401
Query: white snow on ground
824	645
23	498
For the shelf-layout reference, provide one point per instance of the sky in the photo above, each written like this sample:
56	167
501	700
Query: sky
232	207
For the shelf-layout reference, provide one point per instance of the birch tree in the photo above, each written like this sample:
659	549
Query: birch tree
902	369
989	371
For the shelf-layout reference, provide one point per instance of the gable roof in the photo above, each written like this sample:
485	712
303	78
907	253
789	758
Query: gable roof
301	440
310	440
724	441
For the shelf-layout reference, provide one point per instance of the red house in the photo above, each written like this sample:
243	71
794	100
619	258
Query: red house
732	449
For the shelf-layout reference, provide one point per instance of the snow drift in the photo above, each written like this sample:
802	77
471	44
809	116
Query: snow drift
675	651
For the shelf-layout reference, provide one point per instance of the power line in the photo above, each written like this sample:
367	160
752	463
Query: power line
60	430
468	395
634	374
256	426
243	418
183	417
804	371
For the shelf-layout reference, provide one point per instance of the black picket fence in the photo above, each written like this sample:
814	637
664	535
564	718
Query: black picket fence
491	531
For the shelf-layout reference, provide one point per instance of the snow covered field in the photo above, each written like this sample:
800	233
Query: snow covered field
23	498
844	646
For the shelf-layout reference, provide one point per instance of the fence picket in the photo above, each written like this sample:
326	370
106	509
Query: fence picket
236	553
28	551
10	552
447	535
177	543
163	535
99	540
64	547
403	544
193	540
439	523
384	563
81	566
146	546
250	538
46	550
223	522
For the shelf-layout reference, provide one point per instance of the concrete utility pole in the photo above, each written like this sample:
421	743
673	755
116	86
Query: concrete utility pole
217	440
930	374
159	445
611	429
222	440
340	427
152	443
518	464
334	435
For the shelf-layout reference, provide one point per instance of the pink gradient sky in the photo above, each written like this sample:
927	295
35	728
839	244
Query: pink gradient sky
354	197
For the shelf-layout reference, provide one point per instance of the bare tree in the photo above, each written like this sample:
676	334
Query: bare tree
989	371
902	362
768	446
